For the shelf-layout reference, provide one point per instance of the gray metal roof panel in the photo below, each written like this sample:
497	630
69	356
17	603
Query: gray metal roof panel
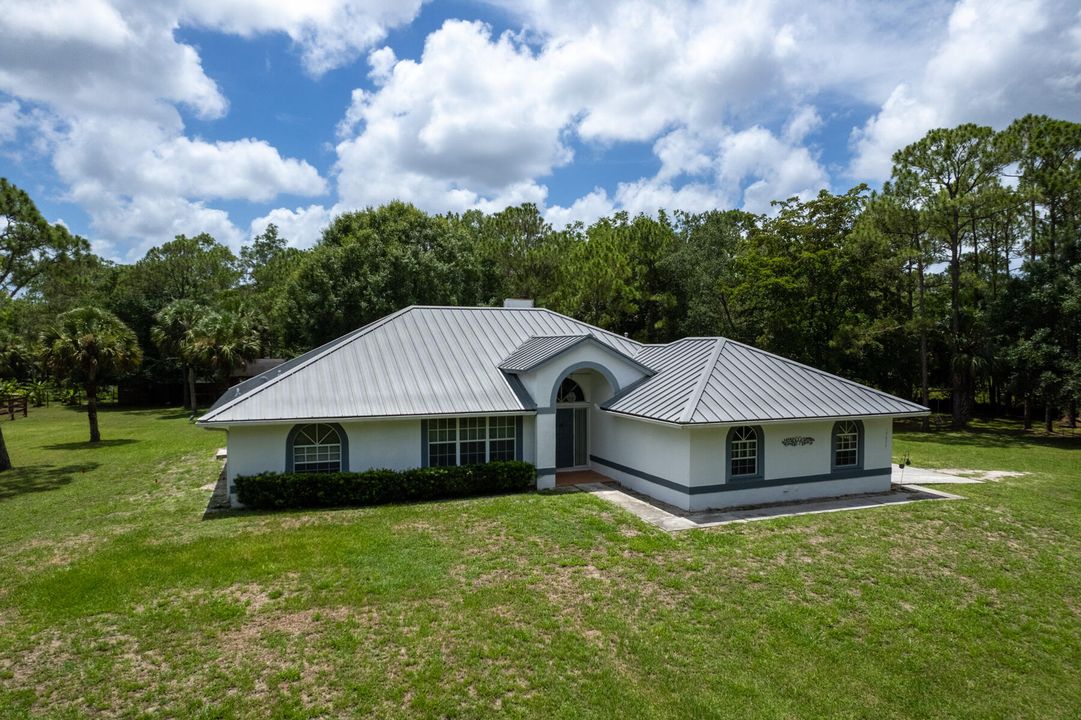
536	350
418	361
739	383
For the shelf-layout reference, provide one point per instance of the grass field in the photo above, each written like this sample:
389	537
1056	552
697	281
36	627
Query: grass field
118	599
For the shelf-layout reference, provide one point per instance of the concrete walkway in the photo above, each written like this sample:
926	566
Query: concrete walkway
670	518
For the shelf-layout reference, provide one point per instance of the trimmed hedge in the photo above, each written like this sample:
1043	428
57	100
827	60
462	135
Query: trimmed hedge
378	487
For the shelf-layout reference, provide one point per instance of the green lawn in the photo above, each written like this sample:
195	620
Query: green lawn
118	599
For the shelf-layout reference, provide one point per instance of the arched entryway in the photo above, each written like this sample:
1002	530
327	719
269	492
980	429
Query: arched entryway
572	425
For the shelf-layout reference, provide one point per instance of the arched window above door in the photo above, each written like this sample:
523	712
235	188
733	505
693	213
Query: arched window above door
570	392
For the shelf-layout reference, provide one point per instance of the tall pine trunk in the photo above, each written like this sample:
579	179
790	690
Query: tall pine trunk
92	412
1071	416
958	375
925	391
5	459
1049	418
185	401
1028	412
191	389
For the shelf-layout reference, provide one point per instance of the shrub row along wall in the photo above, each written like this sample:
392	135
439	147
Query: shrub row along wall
378	487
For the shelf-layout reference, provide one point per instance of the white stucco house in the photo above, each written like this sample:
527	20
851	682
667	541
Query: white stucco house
698	423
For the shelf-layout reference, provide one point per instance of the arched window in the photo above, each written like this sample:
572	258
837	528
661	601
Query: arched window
847	444
570	392
319	447
744	451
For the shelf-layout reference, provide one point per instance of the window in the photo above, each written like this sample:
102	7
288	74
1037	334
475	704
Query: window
471	440
501	438
847	437
317	448
442	443
744	452
570	392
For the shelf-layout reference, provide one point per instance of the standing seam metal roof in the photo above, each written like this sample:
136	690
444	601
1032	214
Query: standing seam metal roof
418	361
455	361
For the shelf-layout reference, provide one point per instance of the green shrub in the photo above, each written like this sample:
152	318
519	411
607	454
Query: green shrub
378	487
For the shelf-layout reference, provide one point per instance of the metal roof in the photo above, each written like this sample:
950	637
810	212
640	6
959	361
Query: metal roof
536	350
417	361
424	361
714	380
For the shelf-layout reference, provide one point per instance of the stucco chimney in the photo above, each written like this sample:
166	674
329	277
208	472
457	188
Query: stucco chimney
518	303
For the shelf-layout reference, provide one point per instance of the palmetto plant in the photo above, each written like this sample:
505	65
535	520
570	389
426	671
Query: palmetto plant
89	346
172	332
223	340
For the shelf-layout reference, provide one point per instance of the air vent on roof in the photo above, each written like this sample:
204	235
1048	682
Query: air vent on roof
518	303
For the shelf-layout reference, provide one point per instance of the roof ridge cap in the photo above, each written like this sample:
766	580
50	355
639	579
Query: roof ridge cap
703	379
344	340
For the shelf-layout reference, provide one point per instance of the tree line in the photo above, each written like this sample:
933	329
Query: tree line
960	279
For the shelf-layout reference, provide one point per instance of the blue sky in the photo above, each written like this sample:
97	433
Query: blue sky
133	121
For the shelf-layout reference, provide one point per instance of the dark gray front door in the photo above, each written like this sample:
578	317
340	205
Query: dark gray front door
564	437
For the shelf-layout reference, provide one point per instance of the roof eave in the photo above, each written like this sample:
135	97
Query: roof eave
766	421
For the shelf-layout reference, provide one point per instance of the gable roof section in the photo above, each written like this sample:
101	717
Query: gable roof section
416	362
536	351
713	380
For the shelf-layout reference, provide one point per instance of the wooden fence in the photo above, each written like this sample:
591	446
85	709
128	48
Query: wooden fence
12	405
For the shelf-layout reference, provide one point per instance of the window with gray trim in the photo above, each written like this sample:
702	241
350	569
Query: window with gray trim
317	448
471	440
744	453
847	438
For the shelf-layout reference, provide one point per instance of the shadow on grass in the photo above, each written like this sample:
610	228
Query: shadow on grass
87	445
40	478
997	434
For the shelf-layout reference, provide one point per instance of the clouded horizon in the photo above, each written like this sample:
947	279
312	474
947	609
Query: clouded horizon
133	121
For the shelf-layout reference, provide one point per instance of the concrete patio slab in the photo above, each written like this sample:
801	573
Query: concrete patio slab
920	476
673	519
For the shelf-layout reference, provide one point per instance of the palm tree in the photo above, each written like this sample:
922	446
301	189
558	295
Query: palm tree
171	333
89	346
222	340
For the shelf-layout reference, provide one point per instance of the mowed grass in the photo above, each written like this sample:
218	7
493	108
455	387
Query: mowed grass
119	600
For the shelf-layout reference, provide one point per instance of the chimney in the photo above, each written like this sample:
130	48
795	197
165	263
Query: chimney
518	303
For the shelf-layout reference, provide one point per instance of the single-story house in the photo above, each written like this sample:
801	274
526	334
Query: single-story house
702	422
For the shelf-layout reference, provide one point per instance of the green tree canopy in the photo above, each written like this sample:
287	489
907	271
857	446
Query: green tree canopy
89	346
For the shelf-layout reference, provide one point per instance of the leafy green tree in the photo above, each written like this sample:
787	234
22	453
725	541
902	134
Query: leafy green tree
899	216
28	244
617	278
702	268
949	172
89	346
520	254
371	263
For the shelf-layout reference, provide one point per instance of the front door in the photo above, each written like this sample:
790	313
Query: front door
564	437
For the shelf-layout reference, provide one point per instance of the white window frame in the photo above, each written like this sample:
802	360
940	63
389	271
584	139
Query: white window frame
847	434
455	427
744	441
332	451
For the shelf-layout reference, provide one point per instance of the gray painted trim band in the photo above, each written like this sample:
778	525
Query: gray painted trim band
546	411
518	438
746	485
545	471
